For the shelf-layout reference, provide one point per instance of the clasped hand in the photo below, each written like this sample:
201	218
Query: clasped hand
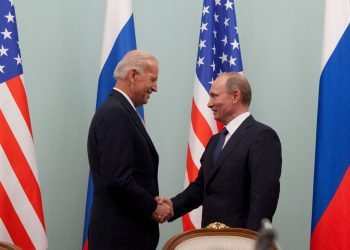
164	210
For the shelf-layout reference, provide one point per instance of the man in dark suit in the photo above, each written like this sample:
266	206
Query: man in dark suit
124	162
238	182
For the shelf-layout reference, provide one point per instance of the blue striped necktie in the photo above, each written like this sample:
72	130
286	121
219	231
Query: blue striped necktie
143	121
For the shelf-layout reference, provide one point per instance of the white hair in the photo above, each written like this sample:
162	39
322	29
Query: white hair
135	59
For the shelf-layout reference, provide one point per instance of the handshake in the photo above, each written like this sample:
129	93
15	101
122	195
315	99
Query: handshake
164	210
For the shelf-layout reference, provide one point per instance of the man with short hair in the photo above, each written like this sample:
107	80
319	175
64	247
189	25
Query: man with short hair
238	182
124	162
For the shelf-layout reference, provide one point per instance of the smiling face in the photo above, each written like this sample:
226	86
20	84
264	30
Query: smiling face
144	83
222	102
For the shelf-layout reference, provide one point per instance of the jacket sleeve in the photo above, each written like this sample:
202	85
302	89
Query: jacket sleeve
265	162
192	196
189	199
116	153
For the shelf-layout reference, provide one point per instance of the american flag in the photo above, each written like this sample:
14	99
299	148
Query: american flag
218	52
21	213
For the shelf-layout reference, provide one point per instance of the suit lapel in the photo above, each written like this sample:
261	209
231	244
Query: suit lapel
230	145
135	117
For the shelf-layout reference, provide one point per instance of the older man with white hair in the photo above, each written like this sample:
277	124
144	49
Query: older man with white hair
124	162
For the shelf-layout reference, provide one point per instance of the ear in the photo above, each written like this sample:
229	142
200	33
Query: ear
131	75
236	96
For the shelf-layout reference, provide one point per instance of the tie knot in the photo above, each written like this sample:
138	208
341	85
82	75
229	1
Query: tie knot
224	131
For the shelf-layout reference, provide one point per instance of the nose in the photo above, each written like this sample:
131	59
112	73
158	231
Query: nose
210	103
155	87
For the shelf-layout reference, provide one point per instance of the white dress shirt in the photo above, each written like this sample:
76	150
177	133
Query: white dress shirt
234	124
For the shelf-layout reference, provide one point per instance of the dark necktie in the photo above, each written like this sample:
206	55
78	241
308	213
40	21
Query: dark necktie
220	144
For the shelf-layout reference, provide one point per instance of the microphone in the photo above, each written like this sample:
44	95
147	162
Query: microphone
266	236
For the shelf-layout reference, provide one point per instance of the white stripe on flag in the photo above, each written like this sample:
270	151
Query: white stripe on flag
20	202
196	217
19	127
201	98
337	11
187	181
4	234
23	82
196	147
196	214
118	12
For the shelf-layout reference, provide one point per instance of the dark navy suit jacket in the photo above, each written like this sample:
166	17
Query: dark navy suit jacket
242	186
124	167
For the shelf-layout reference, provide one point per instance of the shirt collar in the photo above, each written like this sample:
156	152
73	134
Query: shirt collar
236	122
126	96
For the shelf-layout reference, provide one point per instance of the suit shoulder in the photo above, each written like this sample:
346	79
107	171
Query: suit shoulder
111	112
110	106
260	127
111	103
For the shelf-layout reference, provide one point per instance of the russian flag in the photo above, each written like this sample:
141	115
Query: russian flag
331	201
118	39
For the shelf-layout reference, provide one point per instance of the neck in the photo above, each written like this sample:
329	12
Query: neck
238	112
125	87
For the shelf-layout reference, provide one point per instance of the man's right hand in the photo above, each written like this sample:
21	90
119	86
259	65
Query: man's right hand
164	210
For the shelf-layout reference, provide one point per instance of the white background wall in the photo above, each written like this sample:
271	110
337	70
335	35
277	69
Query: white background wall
61	43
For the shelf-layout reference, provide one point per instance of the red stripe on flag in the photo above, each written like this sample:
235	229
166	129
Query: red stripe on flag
86	245
12	222
192	169
18	92
220	125
200	125
21	167
187	223
332	230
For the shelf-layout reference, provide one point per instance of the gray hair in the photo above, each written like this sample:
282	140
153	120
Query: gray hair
238	81
135	59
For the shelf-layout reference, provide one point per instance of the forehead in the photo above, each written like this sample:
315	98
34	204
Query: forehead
219	84
152	66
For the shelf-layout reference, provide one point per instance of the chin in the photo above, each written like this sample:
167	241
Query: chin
217	118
